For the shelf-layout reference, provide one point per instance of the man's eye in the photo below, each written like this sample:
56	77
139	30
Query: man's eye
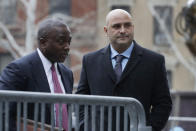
60	41
69	40
128	24
116	26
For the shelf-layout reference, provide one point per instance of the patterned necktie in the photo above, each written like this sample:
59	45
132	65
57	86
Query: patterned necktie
118	66
57	89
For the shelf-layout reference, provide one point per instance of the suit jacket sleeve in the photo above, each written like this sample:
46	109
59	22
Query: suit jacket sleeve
161	100
83	87
12	79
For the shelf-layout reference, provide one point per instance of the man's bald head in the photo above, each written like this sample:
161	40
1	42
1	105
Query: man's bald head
116	12
119	29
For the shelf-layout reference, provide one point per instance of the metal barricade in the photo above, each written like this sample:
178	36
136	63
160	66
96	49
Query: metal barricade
183	116
133	113
179	123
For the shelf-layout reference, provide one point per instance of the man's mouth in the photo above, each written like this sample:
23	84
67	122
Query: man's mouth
64	55
122	37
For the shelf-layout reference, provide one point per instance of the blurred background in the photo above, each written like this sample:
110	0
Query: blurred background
165	26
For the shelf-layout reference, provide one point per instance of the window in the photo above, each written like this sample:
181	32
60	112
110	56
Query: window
169	78
8	11
121	4
127	8
166	13
5	59
60	6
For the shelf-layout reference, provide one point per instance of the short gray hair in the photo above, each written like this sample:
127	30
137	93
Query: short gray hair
46	25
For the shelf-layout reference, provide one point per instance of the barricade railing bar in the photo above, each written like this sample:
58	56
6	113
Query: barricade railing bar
180	118
183	111
132	115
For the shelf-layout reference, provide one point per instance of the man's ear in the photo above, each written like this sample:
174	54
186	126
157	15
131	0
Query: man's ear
42	43
105	30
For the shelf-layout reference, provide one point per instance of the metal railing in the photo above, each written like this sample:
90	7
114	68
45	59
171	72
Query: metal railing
133	112
179	123
183	116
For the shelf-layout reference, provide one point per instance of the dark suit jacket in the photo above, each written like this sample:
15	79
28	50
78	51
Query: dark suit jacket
27	74
143	78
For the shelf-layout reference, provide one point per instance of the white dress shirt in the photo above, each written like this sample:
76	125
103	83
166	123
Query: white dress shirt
47	67
126	54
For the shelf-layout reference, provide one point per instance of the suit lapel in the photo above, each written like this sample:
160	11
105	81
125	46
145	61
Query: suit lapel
133	60
39	74
64	79
108	64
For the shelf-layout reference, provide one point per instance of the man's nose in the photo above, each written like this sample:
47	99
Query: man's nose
66	47
122	29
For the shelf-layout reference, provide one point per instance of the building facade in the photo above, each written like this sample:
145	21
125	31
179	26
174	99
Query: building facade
154	23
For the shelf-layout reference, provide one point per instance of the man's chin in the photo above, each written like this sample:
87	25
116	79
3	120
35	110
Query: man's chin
123	42
61	60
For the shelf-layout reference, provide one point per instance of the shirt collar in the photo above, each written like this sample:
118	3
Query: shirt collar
126	53
46	63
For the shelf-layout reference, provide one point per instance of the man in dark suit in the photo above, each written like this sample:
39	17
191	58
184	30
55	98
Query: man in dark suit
124	68
34	71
